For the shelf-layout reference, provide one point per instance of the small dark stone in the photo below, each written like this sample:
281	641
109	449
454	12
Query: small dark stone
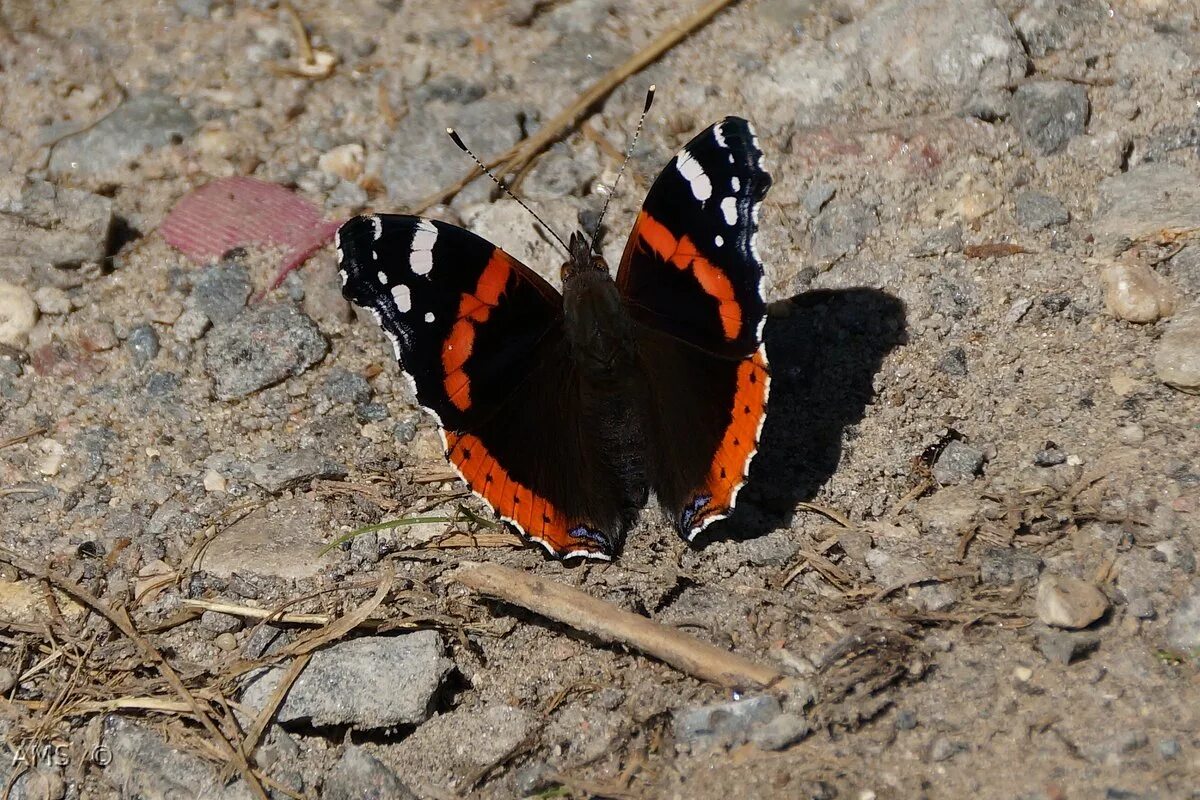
405	430
1051	456
1036	211
161	384
1063	647
1169	748
344	386
370	412
1057	302
90	549
906	720
221	292
142	344
958	463
953	362
260	347
1049	113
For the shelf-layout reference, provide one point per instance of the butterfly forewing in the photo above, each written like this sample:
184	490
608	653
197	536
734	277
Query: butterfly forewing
691	277
481	337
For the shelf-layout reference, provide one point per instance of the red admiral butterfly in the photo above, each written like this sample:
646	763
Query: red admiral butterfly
563	411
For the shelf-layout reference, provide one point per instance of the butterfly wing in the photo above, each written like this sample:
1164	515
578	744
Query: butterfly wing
692	280
481	337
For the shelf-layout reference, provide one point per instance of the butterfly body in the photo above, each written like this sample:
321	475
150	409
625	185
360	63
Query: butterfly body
565	411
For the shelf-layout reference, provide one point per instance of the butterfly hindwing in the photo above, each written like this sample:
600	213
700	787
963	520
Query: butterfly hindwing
481	337
692	280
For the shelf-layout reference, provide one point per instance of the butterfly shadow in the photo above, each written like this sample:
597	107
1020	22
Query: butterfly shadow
824	356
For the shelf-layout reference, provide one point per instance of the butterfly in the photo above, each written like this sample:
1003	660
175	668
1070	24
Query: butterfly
564	411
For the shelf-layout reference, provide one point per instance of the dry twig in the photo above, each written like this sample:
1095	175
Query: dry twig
611	624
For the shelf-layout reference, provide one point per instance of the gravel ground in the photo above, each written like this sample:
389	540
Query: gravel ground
972	526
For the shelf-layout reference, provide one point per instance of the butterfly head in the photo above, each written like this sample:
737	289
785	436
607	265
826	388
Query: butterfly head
583	259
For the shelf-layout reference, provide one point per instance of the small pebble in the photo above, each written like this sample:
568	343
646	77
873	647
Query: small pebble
958	463
52	300
1142	608
944	749
96	337
8	681
1050	457
344	161
216	622
214	481
226	641
143	345
1023	674
1136	293
1067	602
906	720
1131	434
1167	748
1177	359
18	315
190	326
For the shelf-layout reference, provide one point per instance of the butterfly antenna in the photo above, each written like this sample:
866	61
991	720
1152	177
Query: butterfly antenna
613	189
462	146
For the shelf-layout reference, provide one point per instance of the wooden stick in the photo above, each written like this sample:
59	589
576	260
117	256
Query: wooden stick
609	623
565	121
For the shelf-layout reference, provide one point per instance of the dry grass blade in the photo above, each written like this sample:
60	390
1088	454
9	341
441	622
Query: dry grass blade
832	513
121	621
21	437
524	151
585	613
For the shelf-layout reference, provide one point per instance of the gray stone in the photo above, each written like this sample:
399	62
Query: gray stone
944	749
1063	647
366	683
200	9
1142	607
343	386
1169	748
142	765
142	344
1050	456
906	720
1177	552
473	736
1005	565
370	412
139	125
817	196
561	172
940	242
221	292
953	362
781	732
1049	113
724	724
1049	25
841	229
936	45
802	86
55	225
1036	211
421	158
1177	357
1183	629
360	776
959	462
281	471
216	622
261	347
282	540
1146	200
190	325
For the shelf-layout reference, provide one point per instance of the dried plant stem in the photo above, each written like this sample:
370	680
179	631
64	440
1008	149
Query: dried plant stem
524	151
611	624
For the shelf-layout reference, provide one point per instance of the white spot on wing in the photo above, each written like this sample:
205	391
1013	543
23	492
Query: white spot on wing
429	317
729	209
719	240
735	184
693	173
421	256
402	297
377	223
719	134
382	276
